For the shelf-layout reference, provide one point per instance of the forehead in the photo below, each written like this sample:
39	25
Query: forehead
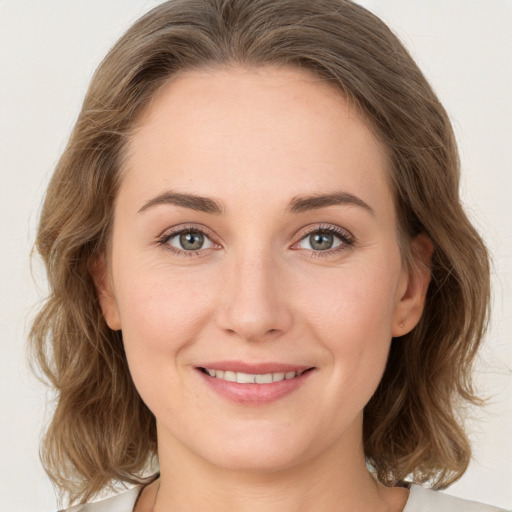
279	131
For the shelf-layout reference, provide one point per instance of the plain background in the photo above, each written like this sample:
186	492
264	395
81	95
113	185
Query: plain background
48	51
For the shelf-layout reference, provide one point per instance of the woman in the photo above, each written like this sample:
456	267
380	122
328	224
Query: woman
263	281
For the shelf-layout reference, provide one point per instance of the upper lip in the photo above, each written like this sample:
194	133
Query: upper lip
254	368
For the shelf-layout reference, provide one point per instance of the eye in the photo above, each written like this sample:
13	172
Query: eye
189	240
325	239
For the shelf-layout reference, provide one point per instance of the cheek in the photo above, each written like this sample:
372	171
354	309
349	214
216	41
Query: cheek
356	302
156	313
159	322
352	316
161	314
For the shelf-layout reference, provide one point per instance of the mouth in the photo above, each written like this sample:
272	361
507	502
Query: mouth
252	378
254	384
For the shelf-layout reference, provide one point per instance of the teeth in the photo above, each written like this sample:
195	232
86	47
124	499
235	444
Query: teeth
245	378
264	379
250	378
230	376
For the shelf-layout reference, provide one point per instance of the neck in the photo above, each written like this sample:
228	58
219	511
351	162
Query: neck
334	481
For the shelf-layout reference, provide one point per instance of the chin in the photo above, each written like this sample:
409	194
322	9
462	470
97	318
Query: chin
259	452
256	461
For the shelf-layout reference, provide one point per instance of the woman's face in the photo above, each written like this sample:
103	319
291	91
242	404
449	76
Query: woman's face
255	235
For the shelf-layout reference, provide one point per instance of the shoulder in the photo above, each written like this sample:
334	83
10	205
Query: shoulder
124	502
426	500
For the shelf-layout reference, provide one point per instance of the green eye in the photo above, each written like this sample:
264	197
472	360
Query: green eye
321	241
191	241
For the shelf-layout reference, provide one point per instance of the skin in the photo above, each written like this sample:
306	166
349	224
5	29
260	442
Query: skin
253	140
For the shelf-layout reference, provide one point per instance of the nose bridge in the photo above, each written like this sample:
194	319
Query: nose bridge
254	305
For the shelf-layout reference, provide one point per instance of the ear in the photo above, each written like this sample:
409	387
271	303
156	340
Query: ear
103	283
412	290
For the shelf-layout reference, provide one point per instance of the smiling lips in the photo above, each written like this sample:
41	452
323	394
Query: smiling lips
253	384
251	378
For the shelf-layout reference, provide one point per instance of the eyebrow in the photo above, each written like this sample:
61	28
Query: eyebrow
304	203
298	204
194	202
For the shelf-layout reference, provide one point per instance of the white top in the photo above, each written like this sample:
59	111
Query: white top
420	500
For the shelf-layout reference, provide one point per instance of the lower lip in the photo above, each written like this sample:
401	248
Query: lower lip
255	394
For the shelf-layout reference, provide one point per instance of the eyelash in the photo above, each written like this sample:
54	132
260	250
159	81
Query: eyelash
163	241
347	240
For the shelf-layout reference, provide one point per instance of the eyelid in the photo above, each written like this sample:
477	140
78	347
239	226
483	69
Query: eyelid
180	228
331	228
346	238
167	235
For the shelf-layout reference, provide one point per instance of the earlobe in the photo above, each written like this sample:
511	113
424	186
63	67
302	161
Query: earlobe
413	293
104	289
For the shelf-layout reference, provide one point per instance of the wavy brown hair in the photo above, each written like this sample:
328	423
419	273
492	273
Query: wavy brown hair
101	431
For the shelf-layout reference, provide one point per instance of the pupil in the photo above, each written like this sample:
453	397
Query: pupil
321	241
192	240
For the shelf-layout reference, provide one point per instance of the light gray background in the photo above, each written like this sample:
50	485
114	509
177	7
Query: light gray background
48	51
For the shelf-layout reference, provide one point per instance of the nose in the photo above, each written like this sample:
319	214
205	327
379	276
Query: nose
255	303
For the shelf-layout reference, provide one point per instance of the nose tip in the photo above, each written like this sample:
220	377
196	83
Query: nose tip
254	306
252	330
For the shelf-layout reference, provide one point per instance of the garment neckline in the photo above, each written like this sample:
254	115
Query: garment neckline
142	487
